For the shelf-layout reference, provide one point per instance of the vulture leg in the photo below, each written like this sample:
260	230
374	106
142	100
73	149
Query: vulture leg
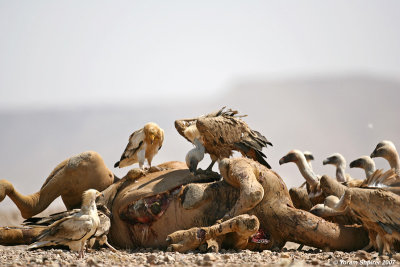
209	168
241	228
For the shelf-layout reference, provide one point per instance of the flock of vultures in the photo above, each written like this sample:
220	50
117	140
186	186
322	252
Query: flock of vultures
371	203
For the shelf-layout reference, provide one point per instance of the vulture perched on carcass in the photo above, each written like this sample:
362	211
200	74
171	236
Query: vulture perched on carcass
220	133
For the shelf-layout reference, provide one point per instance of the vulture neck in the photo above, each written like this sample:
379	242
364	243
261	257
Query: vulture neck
340	205
309	164
394	161
199	149
369	169
307	172
340	172
88	206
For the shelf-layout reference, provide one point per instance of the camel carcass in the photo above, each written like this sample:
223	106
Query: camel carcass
148	207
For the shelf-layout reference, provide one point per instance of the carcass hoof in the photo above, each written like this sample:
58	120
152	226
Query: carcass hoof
242	226
211	245
155	169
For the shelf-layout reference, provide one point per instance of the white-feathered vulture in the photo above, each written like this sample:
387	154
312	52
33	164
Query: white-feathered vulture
74	230
221	133
101	232
143	144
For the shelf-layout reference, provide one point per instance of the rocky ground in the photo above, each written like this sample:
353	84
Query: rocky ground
289	256
19	256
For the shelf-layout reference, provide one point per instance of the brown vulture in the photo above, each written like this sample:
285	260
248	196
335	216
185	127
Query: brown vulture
220	133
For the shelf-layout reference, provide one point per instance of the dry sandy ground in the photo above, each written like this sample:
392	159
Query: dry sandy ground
289	256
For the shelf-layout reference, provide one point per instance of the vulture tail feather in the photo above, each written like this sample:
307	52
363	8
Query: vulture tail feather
252	152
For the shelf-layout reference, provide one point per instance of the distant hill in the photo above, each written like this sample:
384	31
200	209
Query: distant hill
325	115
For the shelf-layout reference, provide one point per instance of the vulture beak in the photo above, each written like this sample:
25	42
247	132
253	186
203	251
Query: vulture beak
355	164
283	160
310	157
290	157
326	161
99	196
152	138
374	154
193	166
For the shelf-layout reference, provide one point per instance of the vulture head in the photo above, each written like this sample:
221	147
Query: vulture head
89	198
153	132
297	157
384	149
365	162
309	156
195	155
293	156
335	159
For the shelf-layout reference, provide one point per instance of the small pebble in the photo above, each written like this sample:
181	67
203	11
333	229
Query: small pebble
210	257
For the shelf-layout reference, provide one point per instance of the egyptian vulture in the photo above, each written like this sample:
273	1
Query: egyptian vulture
387	150
143	144
74	230
339	161
221	133
101	232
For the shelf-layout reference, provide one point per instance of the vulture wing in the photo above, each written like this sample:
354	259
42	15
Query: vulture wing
71	228
161	141
135	143
49	219
388	218
223	133
388	180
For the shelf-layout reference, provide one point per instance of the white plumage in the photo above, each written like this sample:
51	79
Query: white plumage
74	230
143	144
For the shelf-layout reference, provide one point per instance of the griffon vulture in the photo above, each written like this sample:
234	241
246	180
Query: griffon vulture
383	224
387	150
365	163
297	157
221	133
339	161
143	144
194	156
74	230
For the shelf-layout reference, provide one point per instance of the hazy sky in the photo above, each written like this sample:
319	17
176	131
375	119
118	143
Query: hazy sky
92	52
